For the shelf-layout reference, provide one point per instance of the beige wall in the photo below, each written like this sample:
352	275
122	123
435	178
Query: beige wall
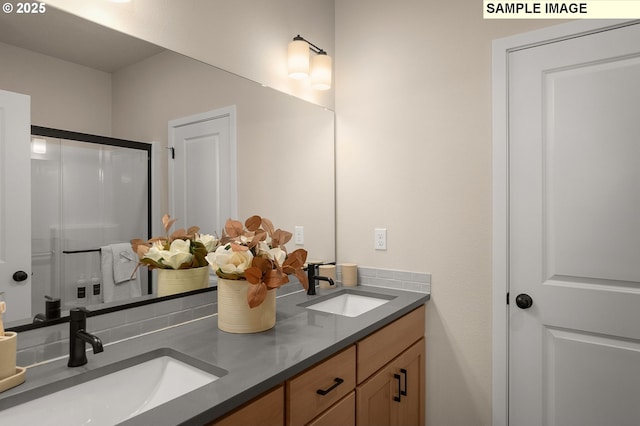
63	95
413	108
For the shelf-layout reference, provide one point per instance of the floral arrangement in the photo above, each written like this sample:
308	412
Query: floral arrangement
183	249
256	253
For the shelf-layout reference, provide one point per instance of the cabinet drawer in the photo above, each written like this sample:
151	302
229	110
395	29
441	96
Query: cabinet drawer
303	400
343	413
267	409
382	346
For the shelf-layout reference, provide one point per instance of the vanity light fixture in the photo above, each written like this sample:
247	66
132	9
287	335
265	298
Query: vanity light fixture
300	67
38	146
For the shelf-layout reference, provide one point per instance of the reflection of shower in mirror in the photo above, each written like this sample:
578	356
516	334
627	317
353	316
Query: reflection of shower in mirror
86	196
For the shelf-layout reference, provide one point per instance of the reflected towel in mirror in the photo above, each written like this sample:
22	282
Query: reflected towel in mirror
124	290
124	262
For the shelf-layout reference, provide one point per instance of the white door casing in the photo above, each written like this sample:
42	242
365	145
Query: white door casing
15	203
567	226
203	170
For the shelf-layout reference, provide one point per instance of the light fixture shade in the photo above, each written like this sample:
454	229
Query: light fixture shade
298	59
321	72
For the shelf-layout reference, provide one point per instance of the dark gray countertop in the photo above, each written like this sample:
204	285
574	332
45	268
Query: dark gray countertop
255	362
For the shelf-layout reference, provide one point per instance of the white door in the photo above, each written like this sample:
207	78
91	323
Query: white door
574	231
202	170
15	204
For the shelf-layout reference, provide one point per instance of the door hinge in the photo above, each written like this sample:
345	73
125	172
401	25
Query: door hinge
173	152
507	298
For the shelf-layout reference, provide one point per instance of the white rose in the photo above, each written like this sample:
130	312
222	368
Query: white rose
155	252
229	261
209	241
179	253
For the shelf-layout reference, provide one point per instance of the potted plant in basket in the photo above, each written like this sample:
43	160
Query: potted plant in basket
180	257
251	261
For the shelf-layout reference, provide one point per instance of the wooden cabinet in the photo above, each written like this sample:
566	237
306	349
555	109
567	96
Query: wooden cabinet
395	395
380	380
266	410
318	388
391	373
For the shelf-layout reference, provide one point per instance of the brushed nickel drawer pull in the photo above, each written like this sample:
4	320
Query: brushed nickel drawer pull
338	381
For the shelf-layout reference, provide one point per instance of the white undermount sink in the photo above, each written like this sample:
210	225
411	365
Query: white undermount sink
119	392
348	303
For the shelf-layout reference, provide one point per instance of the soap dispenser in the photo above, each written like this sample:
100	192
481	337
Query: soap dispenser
95	289
81	290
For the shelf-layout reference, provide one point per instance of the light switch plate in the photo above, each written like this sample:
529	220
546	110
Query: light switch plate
298	235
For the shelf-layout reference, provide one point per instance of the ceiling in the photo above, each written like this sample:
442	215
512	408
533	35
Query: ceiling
68	37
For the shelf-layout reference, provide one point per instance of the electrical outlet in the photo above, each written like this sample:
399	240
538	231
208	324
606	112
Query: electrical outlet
298	235
380	238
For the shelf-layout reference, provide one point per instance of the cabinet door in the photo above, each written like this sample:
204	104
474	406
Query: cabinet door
374	399
396	394
410	366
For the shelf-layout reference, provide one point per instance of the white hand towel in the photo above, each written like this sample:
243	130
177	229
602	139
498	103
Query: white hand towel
124	262
112	291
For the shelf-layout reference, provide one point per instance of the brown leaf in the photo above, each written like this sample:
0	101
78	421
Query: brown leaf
141	250
296	259
238	247
193	230
253	275
262	263
233	228
267	226
168	222
253	223
275	278
179	233
136	243
256	295
280	238
259	236
302	277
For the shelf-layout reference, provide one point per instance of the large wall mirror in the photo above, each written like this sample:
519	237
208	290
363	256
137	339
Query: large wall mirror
86	78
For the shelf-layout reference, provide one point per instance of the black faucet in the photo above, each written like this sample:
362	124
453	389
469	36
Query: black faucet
312	277
78	336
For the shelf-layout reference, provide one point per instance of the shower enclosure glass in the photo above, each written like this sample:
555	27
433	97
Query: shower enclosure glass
87	192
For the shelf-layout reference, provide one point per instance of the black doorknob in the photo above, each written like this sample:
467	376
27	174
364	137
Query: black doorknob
524	301
20	276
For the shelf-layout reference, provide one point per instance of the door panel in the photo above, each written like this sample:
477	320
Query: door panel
574	230
588	198
15	203
203	172
574	361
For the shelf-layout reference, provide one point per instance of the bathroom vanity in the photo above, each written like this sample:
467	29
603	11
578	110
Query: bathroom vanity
312	367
